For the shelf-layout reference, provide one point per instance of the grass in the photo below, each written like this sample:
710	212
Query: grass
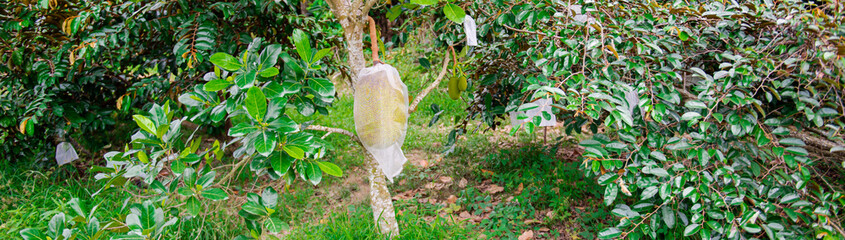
29	198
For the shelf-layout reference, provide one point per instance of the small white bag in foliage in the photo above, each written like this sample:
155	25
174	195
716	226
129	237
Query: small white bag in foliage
470	30
65	153
381	116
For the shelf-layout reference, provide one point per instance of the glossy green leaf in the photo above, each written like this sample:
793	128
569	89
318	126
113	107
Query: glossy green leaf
330	168
322	86
215	194
194	206
275	225
225	61
269	72
294	151
454	12
246	80
216	85
691	229
256	103
609	233
424	2
303	44
265	142
145	123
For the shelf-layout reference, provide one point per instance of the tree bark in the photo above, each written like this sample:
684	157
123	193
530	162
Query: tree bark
352	15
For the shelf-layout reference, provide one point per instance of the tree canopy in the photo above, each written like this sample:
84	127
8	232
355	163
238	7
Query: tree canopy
700	119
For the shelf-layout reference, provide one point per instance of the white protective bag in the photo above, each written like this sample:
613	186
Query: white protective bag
65	153
543	105
470	30
381	116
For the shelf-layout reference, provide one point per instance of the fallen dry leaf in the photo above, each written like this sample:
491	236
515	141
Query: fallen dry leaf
429	185
518	189
531	221
527	235
465	214
544	229
446	179
493	189
463	183
452	199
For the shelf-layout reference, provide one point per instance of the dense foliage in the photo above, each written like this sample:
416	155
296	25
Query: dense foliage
712	119
74	67
708	119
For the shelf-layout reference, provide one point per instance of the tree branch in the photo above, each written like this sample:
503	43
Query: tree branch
368	5
332	130
419	98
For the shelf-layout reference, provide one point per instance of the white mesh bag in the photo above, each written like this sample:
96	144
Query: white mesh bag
381	116
470	30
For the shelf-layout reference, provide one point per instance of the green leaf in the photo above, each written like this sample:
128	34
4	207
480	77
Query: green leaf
751	228
797	151
648	193
145	123
394	12
275	225
194	206
691	229
269	198
32	234
303	44
269	72
274	90
792	141
789	198
216	85
142	156
321	54
668	216
280	162
225	61
690	116
313	173
294	151
424	2
454	12
215	194
695	104
610	194
322	86
206	179
609	233
330	169
56	225
283	125
189	177
245	80
270	55
254	208
242	129
265	142
256	104
683	36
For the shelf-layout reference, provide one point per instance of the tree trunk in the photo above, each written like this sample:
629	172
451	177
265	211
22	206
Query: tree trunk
352	15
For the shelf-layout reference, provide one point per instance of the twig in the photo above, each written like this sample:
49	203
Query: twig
419	98
234	169
532	32
331	130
